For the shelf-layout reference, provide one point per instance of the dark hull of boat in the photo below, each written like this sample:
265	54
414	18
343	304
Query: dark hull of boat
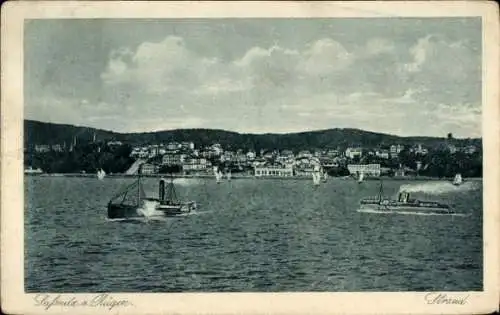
122	212
129	212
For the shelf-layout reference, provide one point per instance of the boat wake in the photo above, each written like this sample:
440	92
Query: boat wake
187	181
436	188
412	213
149	210
138	219
193	212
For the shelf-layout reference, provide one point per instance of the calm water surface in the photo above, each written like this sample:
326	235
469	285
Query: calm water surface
250	235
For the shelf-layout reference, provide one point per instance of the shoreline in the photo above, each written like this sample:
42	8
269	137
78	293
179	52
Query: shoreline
239	177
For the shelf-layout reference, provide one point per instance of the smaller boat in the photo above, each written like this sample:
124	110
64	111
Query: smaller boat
361	176
31	171
316	176
228	175
325	176
168	203
218	174
404	204
101	174
457	181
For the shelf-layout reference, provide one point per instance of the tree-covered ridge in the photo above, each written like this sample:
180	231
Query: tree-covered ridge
47	133
82	149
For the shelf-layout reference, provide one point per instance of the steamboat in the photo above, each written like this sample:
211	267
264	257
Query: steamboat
132	202
404	204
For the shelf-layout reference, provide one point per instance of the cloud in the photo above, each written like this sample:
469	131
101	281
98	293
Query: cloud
435	58
419	53
379	84
324	57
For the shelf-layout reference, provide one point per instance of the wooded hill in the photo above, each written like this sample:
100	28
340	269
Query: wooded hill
36	132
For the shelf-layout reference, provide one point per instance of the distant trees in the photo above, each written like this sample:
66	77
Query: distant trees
338	171
442	163
170	169
86	158
439	162
445	164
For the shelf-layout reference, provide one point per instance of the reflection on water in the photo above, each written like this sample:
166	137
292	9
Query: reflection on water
249	235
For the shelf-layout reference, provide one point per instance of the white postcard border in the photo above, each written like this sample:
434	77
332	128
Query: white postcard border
16	301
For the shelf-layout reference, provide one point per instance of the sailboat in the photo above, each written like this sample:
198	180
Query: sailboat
325	176
101	174
316	176
132	202
457	181
218	174
403	204
360	178
228	175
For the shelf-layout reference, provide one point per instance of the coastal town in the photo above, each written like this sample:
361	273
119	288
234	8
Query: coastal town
187	158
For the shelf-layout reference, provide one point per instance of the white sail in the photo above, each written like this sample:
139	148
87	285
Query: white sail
325	176
361	176
316	176
101	174
228	175
457	180
218	174
316	179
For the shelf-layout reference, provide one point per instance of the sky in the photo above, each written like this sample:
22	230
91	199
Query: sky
403	76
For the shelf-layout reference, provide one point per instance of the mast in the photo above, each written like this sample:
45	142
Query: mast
171	194
381	191
139	171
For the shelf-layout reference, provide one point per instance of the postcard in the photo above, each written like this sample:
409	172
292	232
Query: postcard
250	157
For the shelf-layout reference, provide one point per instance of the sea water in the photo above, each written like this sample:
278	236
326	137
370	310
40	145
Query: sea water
251	235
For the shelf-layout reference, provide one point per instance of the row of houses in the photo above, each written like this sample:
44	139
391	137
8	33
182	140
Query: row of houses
264	168
175	151
280	170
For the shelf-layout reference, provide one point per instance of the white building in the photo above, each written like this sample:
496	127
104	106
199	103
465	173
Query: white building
419	149
332	153
366	169
251	155
268	155
452	149
353	152
262	171
187	145
217	148
173	146
171	159
383	154
395	150
147	168
195	164
304	153
470	149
